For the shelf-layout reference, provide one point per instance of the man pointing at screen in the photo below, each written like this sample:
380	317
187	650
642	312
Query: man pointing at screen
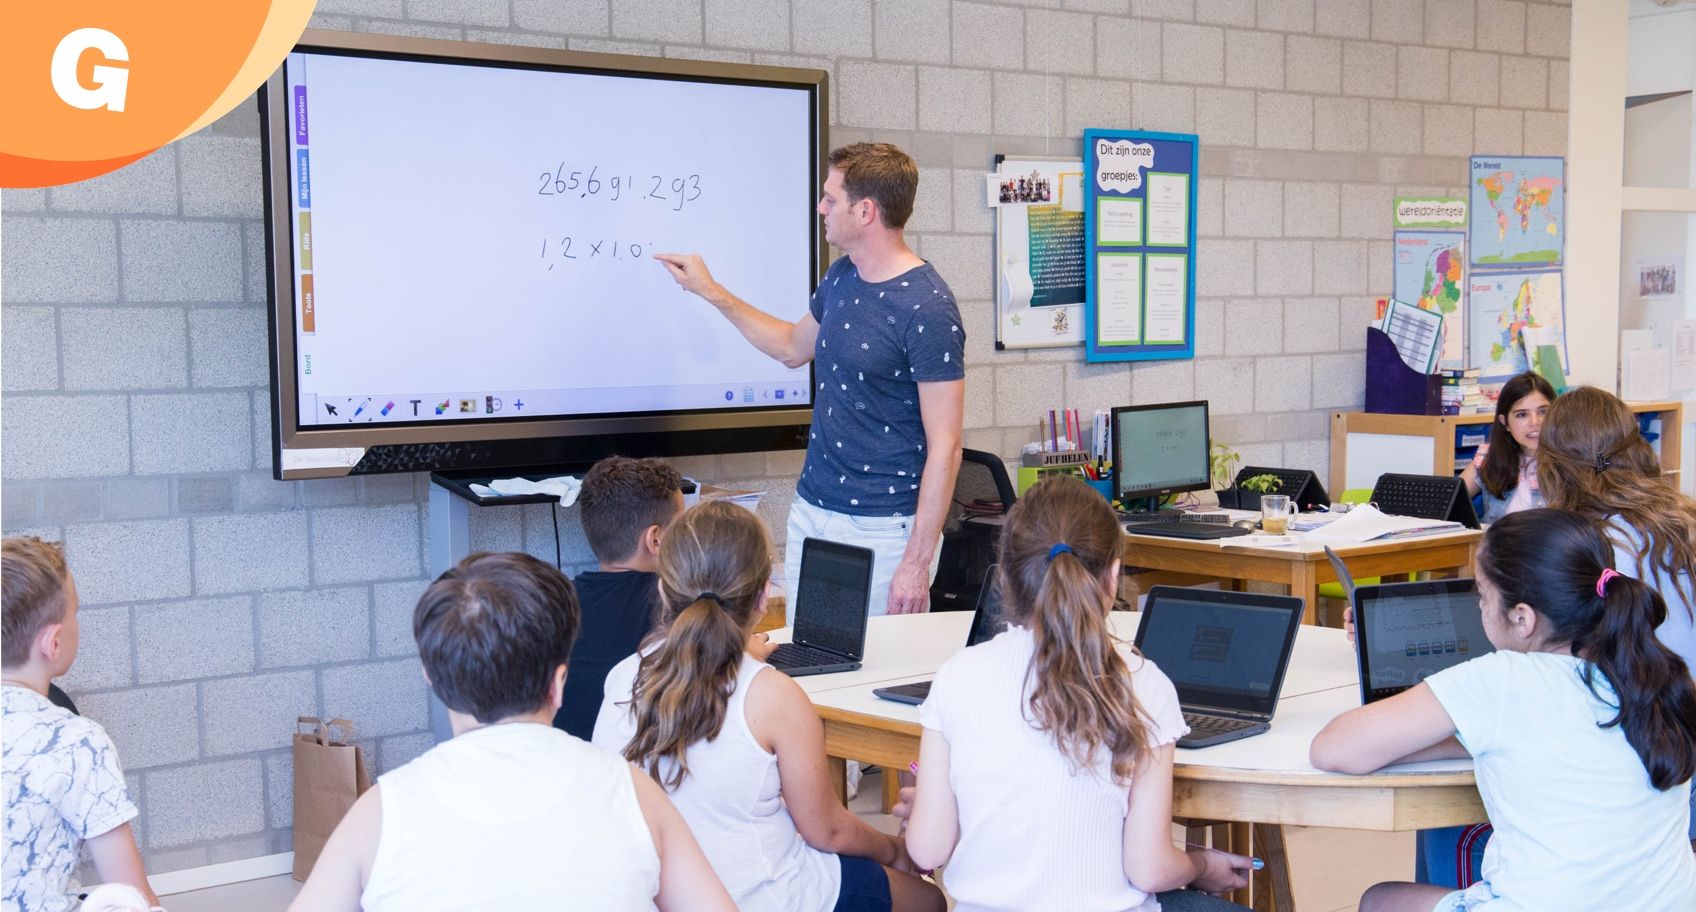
886	339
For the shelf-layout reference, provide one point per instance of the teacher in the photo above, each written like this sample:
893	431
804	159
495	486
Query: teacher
885	334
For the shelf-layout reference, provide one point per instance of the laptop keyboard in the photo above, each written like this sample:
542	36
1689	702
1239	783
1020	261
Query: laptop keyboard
1213	725
1185	529
794	655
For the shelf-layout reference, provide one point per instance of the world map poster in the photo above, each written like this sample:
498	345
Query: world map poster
1518	211
1502	306
1431	273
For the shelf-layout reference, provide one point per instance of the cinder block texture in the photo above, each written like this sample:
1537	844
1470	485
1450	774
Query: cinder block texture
250	552
365	543
382	698
312	627
129	561
60	260
124	348
204	802
180	641
255	713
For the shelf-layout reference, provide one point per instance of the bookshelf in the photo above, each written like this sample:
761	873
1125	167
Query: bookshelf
1365	444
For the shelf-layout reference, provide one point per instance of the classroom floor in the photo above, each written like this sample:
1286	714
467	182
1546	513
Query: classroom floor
1330	868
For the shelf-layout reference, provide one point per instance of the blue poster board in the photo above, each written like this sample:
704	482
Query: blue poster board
1139	245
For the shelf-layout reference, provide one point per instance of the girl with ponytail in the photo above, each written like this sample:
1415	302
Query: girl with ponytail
1581	726
1045	770
737	743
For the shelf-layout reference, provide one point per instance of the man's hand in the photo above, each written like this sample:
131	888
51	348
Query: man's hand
760	646
690	272
909	589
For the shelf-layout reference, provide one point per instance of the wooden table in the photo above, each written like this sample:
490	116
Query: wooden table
1302	566
1262	783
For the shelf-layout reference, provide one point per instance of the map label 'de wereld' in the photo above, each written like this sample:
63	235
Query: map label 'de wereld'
1518	211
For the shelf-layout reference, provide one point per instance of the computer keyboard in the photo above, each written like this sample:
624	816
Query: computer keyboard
1422	496
1170	516
1213	725
794	655
1207	529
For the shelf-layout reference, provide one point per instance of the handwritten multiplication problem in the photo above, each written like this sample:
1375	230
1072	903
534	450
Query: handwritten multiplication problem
566	250
593	182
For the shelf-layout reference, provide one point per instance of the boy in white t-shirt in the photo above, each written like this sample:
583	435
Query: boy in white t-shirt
64	787
511	813
1581	726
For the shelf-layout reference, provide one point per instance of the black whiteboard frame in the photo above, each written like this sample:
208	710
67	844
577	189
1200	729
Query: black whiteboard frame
494	445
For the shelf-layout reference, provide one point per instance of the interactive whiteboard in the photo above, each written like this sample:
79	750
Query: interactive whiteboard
465	243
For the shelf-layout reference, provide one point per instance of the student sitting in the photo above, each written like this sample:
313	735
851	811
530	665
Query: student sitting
64	787
511	813
737	743
1581	726
1599	466
1045	770
1505	470
626	505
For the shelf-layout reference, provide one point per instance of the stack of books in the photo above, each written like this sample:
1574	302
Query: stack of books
1464	394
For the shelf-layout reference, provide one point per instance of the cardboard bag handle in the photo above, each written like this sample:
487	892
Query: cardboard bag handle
322	733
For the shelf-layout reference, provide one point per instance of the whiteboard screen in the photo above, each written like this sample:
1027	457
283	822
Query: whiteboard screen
473	242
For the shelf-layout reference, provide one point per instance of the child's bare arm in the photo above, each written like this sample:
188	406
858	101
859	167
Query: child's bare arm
119	861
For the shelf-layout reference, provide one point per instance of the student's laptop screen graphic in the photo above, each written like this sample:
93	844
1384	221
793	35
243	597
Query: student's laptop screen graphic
987	622
831	598
1406	632
1226	652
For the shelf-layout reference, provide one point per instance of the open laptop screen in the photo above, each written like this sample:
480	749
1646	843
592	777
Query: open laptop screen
1220	650
987	620
1410	631
831	596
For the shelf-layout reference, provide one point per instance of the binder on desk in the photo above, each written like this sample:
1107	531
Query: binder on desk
1394	388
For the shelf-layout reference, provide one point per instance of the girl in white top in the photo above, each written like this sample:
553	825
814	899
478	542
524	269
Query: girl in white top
512	813
738	744
1581	726
1045	768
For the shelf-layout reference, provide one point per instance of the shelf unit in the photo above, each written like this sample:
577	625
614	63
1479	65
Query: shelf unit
1431	444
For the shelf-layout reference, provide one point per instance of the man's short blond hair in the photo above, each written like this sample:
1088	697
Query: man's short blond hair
882	173
32	575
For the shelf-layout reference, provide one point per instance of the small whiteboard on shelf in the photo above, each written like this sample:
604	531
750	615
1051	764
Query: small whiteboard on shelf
1039	251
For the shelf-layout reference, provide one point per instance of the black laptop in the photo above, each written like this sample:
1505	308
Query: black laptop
832	595
987	621
1226	652
1406	632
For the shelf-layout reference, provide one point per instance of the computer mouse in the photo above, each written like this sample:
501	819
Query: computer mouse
1249	524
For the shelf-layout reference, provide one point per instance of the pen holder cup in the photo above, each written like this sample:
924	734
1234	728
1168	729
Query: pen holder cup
1104	487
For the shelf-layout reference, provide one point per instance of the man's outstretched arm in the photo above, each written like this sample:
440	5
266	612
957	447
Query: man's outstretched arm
791	343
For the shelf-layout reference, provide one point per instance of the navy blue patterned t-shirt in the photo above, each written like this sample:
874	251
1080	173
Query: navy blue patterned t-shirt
877	342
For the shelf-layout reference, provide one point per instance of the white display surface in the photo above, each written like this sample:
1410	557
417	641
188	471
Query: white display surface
486	234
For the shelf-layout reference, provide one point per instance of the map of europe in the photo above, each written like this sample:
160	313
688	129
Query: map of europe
1518	211
1503	307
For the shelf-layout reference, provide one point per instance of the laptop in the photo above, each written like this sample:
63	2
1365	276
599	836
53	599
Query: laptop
832	595
1226	652
987	621
1406	632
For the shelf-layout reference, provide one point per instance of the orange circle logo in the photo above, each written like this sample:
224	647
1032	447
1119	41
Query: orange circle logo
93	86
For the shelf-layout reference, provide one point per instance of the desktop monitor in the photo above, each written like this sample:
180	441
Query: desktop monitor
1159	450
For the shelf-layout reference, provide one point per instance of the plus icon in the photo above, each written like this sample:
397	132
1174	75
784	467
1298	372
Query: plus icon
519	405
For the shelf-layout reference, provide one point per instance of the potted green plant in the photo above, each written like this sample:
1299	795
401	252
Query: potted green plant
1235	494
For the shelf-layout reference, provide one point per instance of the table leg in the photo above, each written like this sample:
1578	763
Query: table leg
1273	882
1240	843
1304	584
891	788
837	771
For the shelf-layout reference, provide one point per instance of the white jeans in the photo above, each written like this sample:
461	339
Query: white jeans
885	535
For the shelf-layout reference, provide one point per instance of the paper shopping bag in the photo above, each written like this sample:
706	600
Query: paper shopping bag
329	775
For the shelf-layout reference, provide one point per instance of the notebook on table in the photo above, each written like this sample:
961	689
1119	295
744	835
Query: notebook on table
1226	652
987	621
832	594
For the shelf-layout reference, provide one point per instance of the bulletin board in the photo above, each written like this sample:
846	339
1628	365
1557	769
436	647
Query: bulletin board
1139	245
1039	251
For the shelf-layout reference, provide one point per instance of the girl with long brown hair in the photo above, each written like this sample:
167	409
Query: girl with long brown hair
737	743
1504	471
1045	770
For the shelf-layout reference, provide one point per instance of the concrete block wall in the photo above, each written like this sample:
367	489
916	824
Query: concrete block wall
219	604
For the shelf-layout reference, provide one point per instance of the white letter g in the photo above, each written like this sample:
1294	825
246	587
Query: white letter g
110	83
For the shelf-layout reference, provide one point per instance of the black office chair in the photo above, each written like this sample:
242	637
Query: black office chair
982	489
61	699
